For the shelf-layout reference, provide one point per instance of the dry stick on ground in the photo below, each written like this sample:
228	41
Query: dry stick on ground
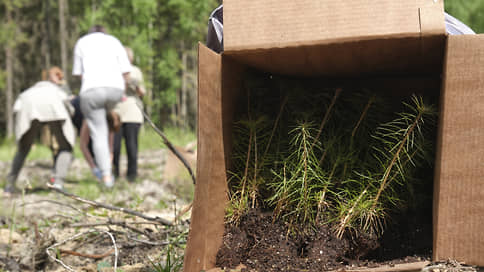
111	222
110	207
183	211
77	236
170	145
80	254
148	242
85	225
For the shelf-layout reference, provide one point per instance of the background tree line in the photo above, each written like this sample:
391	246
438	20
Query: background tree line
36	34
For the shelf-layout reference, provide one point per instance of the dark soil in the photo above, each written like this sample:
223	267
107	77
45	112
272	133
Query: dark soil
263	245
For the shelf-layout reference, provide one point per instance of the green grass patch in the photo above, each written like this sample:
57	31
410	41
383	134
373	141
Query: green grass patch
149	139
37	152
87	187
182	186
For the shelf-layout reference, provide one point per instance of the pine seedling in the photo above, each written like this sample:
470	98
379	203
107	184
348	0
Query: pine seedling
398	149
250	136
294	198
404	141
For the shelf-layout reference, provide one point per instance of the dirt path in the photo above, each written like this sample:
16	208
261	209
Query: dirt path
40	218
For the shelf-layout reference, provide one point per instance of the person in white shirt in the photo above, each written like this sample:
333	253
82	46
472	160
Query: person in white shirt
42	104
455	27
102	63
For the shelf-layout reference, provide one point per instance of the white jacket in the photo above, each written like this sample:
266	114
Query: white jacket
43	102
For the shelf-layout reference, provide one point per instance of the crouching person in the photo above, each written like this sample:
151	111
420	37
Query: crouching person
42	104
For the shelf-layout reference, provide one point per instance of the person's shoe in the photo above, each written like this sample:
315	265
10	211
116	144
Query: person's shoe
97	173
109	183
131	179
58	185
10	190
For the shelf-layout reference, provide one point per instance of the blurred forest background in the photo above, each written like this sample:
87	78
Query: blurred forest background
37	34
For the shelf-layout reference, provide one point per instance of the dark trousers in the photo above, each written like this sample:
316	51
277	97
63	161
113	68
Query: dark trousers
128	131
64	155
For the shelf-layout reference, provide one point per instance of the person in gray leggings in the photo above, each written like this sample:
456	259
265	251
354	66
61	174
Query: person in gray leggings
103	65
93	107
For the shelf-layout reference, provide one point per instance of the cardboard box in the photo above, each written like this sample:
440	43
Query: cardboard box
352	39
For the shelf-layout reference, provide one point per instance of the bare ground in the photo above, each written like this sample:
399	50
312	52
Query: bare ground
40	218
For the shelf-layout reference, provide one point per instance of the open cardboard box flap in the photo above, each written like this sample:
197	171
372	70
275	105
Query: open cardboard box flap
252	24
304	36
459	179
208	211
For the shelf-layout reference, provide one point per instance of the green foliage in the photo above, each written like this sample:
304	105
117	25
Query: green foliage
170	260
358	164
88	187
102	265
37	152
301	176
150	140
401	146
173	263
159	32
3	78
468	11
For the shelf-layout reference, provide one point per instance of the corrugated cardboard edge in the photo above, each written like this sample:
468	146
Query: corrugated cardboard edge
207	221
459	178
407	267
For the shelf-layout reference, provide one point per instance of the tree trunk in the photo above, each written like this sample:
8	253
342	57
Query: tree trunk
47	33
9	68
183	98
150	78
63	36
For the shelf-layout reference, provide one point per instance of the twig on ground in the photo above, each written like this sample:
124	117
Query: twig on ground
110	207
77	236
147	242
111	222
61	216
170	145
91	256
184	211
89	240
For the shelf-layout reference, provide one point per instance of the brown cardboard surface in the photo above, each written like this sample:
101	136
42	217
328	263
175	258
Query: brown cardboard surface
459	178
358	58
405	38
252	24
431	21
207	221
